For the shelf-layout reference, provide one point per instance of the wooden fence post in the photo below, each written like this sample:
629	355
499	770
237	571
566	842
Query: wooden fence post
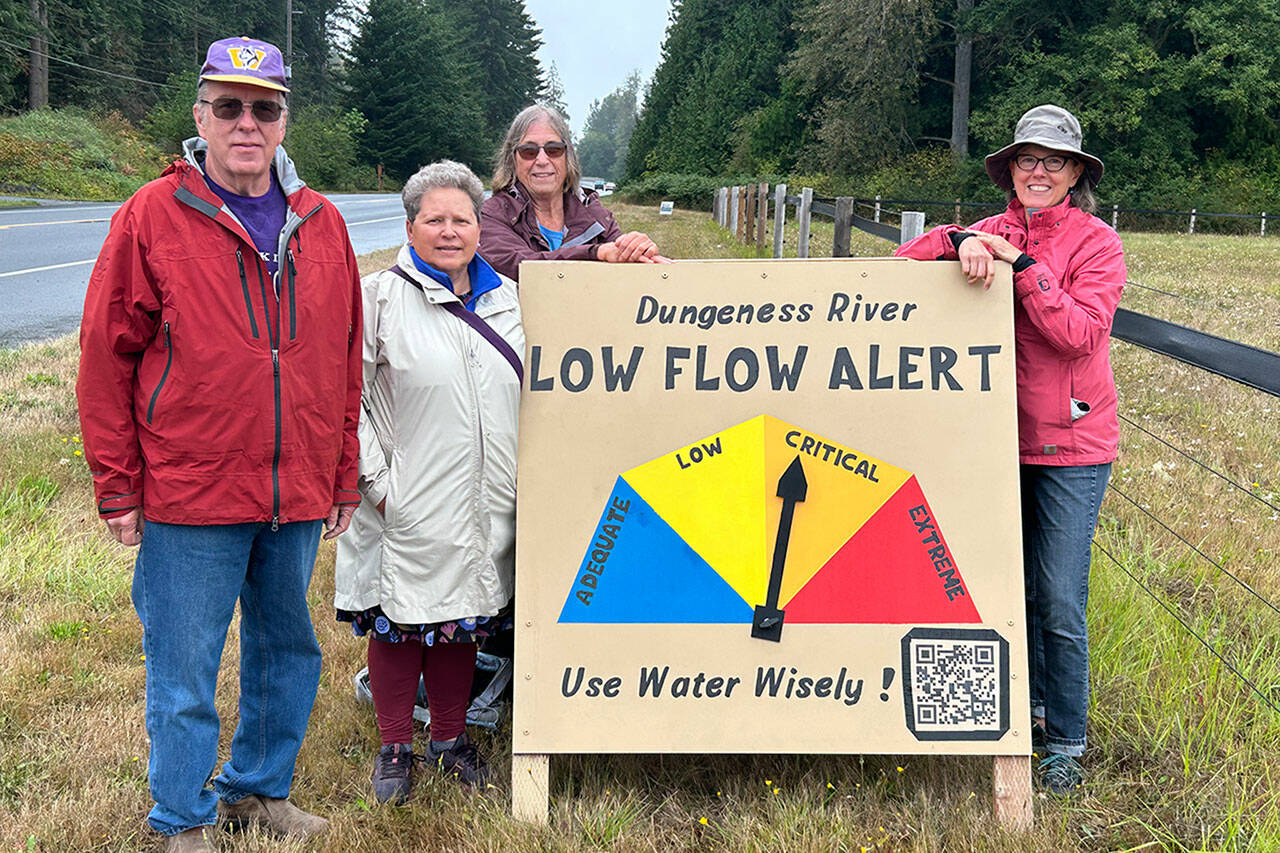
1263	233
877	207
1191	229
802	221
749	221
912	225
733	210
1115	216
762	213
957	219
780	218
844	225
724	207
743	207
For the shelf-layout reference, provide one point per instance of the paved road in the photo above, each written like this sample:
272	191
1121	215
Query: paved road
47	252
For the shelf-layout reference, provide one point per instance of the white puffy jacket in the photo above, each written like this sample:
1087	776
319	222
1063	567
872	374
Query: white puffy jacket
438	441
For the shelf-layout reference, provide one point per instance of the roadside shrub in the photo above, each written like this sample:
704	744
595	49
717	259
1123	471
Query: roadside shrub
322	142
71	153
691	192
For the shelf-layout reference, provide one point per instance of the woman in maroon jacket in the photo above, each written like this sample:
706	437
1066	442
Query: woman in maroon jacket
538	211
1068	273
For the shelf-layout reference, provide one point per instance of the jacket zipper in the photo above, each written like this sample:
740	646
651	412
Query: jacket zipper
293	317
168	344
248	302
275	373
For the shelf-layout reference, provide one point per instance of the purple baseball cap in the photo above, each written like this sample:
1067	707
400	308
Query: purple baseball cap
245	60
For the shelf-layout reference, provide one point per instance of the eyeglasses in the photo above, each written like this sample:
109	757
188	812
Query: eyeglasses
230	109
1052	163
529	150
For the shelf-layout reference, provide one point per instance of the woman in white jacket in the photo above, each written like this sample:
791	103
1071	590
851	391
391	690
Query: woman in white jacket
427	567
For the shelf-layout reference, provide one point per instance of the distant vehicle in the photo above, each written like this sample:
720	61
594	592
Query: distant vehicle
610	186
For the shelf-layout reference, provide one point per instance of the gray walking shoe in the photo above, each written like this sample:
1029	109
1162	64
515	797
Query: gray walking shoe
460	759
393	773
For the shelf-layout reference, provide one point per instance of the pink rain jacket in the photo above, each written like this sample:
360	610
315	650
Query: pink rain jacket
1063	307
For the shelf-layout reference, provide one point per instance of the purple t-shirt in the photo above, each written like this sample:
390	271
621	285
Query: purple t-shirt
262	216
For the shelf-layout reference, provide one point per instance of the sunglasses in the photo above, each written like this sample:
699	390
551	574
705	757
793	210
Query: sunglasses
1052	163
529	150
230	109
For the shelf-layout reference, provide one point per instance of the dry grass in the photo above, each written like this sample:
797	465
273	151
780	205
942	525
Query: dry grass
1182	756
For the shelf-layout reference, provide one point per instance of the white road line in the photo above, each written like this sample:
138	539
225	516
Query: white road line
37	208
54	222
50	267
371	221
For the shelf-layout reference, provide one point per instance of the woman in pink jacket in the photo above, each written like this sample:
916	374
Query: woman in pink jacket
1068	273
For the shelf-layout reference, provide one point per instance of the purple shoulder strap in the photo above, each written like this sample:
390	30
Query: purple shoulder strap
486	331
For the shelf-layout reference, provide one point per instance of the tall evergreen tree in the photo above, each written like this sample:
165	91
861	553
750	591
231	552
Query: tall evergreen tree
553	91
719	63
607	133
418	111
502	41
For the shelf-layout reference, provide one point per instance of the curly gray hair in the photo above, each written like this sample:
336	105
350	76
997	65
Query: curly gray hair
442	174
504	162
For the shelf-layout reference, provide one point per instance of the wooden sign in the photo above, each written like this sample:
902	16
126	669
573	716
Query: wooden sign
766	506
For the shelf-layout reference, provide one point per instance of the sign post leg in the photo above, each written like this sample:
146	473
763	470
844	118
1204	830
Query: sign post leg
530	774
1011	787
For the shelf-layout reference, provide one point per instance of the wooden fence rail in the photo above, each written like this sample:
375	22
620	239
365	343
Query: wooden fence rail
745	211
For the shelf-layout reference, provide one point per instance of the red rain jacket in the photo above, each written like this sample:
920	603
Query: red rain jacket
205	397
1063	307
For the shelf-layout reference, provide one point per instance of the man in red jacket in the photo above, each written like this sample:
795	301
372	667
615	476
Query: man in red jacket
219	394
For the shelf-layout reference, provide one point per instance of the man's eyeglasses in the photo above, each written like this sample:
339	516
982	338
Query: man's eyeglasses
529	150
230	109
1052	163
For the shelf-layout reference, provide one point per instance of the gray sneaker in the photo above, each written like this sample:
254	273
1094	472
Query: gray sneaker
1061	774
393	773
461	760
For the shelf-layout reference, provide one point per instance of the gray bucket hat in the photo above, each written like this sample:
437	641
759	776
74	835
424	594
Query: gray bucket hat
1048	126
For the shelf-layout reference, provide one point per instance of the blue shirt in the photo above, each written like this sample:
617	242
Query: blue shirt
483	277
262	216
554	238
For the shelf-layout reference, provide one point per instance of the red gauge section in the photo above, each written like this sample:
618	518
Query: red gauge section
897	568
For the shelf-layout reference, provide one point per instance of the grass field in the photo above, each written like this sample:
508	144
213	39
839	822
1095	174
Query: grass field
1182	754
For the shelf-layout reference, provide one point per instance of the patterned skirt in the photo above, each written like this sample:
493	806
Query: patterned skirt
378	626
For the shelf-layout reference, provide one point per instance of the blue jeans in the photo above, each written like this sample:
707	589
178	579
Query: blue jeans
1059	512
185	586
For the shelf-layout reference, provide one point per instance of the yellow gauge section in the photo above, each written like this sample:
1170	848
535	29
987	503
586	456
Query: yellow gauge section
712	494
845	488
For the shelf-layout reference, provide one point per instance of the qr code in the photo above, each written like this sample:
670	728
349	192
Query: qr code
956	683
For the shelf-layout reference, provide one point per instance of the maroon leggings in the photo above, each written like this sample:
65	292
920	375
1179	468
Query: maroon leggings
447	670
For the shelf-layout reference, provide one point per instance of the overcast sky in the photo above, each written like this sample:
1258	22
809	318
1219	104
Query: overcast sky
596	44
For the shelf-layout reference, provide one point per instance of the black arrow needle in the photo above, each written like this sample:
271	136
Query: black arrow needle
792	488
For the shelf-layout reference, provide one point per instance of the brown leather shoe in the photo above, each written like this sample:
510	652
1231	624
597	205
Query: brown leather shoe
278	816
196	840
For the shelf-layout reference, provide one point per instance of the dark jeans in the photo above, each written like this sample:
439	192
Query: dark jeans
1059	512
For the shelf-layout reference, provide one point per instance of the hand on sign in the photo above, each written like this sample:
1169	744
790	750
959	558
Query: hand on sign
631	248
999	246
977	261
